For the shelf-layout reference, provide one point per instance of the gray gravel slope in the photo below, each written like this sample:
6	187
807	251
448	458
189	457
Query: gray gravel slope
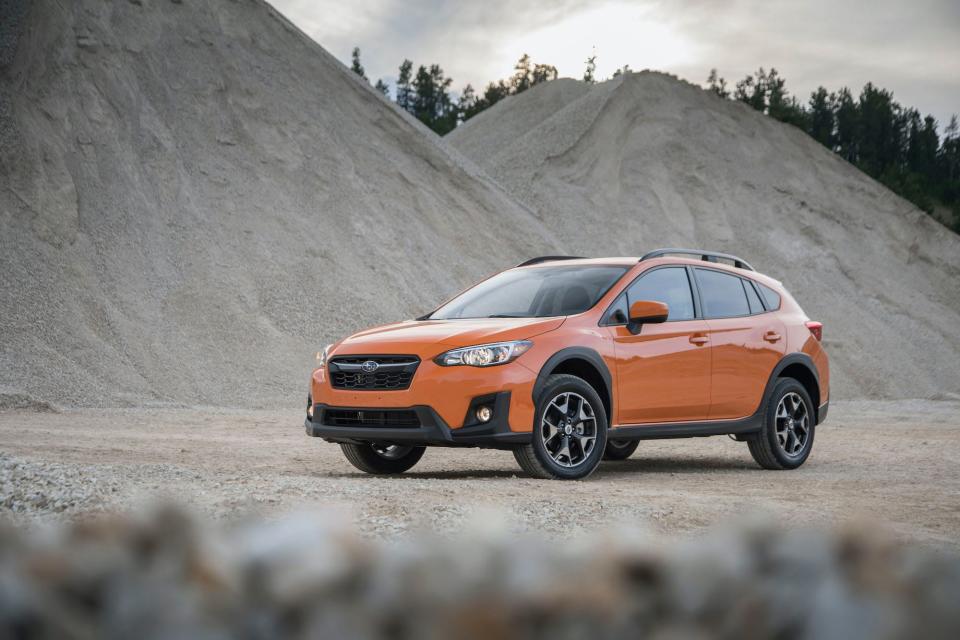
195	197
648	161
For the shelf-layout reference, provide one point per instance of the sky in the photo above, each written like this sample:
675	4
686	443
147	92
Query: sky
911	48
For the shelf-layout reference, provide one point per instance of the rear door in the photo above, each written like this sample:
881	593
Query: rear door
663	372
746	342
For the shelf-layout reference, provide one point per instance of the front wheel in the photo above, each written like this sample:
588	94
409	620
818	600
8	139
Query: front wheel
382	459
570	432
786	438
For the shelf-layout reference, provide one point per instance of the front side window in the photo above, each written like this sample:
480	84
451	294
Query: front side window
538	292
669	285
721	294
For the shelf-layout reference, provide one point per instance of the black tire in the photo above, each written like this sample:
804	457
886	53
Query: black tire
620	449
538	461
367	458
776	450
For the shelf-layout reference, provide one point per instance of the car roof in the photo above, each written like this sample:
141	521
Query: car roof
636	261
624	261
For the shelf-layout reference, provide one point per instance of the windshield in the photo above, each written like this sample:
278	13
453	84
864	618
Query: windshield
533	293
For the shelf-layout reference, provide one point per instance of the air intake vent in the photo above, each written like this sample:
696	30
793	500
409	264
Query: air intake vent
385	418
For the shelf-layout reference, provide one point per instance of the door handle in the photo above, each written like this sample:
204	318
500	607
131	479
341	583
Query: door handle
771	336
699	339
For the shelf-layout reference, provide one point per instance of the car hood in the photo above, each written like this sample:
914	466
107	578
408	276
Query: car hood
423	337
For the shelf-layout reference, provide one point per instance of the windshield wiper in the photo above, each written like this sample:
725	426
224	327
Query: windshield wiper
507	315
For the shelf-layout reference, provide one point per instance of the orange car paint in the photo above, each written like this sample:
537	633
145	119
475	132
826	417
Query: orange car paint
675	371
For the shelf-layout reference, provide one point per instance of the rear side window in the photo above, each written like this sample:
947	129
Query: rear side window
771	297
669	285
722	294
752	298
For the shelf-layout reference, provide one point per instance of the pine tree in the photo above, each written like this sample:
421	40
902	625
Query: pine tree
588	74
717	84
431	99
467	104
382	87
523	75
847	129
753	90
543	73
356	67
404	97
821	117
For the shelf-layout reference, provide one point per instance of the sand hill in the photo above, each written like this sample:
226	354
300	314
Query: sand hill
646	160
195	197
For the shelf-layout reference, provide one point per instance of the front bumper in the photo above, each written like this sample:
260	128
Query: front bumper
433	430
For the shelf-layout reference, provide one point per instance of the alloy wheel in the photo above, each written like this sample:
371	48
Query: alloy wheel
568	429
793	424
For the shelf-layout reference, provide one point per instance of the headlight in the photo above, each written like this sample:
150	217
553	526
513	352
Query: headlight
322	357
484	355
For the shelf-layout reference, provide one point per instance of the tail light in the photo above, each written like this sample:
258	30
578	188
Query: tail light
816	328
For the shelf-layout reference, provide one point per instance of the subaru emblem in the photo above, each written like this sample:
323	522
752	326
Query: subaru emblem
369	366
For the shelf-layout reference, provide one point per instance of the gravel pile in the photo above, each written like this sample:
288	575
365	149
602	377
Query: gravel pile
195	198
167	575
647	160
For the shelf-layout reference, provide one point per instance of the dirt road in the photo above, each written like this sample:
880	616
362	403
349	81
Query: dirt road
890	462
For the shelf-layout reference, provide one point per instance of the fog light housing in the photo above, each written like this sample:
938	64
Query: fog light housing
484	413
309	408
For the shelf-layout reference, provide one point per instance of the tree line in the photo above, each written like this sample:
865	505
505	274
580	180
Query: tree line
425	94
888	142
891	143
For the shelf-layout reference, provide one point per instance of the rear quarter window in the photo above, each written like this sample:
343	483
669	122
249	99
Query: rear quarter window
771	297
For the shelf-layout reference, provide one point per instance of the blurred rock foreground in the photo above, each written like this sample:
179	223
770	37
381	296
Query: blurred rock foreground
168	575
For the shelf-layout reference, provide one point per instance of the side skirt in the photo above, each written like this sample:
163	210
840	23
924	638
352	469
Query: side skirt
663	430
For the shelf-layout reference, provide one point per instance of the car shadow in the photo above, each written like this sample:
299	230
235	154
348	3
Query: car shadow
642	464
610	468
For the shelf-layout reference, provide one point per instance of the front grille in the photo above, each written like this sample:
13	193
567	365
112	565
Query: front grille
387	418
392	372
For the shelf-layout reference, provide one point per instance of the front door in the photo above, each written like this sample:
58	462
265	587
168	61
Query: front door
663	372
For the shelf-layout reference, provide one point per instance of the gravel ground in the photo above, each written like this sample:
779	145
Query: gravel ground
887	462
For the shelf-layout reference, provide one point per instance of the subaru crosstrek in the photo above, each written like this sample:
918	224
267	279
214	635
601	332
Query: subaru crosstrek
566	361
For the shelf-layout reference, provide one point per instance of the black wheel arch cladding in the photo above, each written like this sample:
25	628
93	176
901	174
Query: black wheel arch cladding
801	368
584	363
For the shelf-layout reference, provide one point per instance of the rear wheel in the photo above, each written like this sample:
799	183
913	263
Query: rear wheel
382	459
786	438
620	449
570	432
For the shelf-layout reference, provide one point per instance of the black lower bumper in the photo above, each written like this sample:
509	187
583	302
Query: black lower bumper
433	431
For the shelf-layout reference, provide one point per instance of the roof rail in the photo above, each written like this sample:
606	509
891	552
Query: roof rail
547	259
706	256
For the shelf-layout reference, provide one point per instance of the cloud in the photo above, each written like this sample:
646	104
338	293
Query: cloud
910	48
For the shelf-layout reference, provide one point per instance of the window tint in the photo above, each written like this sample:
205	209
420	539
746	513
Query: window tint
771	297
533	293
752	297
722	294
617	314
668	285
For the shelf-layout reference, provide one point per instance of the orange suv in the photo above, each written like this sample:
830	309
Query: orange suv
567	361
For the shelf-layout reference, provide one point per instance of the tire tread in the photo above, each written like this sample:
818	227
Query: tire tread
364	458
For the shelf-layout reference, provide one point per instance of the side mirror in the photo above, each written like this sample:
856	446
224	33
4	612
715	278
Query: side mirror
647	312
